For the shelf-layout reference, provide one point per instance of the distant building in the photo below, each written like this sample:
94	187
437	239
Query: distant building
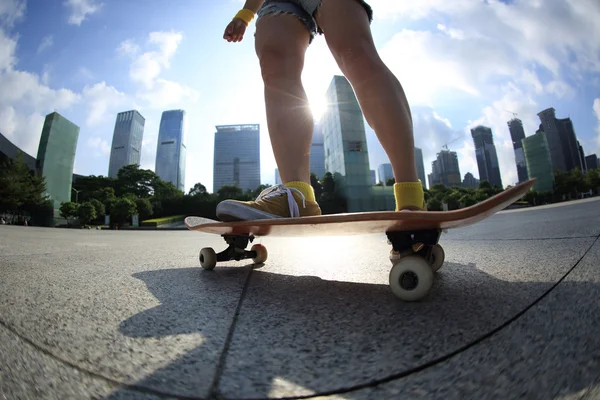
420	166
170	149
591	161
517	134
445	170
9	151
562	141
487	158
127	141
237	157
373	177
384	172
539	162
470	182
317	153
346	152
583	167
56	157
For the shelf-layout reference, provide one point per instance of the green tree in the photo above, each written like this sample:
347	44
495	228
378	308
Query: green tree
434	204
390	182
162	189
86	213
230	192
468	200
316	185
254	194
99	208
328	183
593	179
198	190
68	210
452	199
122	211
139	182
577	182
89	186
21	190
144	208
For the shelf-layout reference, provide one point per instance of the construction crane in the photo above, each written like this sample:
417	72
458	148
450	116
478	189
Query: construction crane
445	146
513	113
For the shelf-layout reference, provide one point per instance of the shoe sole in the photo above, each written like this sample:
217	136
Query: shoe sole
228	212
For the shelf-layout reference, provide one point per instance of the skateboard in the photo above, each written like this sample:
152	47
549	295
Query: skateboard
414	236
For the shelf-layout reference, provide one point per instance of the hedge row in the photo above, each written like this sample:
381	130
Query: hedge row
161	221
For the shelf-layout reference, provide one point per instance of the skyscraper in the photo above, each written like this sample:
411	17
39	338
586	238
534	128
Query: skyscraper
591	161
583	167
373	177
420	166
562	141
170	149
384	172
470	181
237	157
317	153
517	134
346	152
487	159
539	162
445	170
127	141
56	156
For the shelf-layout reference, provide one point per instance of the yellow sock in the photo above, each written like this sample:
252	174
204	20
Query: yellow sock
409	195
306	189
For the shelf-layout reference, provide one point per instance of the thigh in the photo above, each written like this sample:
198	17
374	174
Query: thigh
347	29
282	36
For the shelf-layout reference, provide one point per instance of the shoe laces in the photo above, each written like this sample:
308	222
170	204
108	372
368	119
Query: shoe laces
280	190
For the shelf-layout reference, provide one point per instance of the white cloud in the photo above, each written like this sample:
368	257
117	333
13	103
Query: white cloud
8	47
11	12
22	129
100	145
80	9
129	47
46	43
148	66
101	98
169	94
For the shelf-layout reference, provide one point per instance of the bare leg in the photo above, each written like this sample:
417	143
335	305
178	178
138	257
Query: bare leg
281	43
380	95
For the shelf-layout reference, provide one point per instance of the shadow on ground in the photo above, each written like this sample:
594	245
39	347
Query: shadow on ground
326	336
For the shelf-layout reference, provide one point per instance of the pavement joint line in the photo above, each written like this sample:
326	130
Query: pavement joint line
450	355
213	391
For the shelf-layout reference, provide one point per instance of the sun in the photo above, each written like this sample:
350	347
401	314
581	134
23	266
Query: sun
318	106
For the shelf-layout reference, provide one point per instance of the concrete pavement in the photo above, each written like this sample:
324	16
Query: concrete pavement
130	314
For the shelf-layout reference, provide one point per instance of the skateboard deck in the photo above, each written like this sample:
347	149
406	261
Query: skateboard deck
363	222
414	236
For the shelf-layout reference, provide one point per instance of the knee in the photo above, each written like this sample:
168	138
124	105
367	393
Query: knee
357	58
279	62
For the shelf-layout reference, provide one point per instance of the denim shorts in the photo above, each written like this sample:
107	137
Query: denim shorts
304	10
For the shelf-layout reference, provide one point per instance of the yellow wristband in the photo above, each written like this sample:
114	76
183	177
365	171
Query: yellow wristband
245	15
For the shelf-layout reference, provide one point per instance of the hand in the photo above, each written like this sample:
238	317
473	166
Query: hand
235	30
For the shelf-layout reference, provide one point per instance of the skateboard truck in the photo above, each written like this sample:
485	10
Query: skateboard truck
235	251
416	256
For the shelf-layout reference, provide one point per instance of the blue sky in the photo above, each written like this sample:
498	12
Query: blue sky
461	63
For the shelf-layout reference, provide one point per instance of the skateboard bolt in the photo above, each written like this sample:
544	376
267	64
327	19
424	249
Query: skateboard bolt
409	280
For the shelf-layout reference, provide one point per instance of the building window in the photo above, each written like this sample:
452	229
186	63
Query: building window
355	146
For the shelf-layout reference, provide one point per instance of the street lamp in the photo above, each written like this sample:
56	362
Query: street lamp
76	195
